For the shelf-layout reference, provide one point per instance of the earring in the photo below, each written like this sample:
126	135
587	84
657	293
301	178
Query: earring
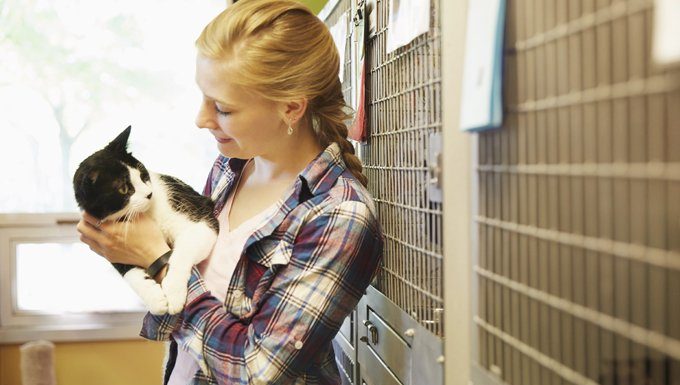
290	129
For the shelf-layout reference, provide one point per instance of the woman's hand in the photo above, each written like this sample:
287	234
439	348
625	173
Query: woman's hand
137	243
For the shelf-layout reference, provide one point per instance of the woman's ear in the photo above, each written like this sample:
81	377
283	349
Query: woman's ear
294	110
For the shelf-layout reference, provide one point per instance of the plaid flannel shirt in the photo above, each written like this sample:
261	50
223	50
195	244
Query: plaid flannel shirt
299	276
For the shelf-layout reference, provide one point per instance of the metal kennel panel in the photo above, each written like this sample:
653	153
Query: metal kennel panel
404	118
394	348
578	222
398	324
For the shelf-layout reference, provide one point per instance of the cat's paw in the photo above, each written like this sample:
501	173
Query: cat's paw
148	290
176	295
157	304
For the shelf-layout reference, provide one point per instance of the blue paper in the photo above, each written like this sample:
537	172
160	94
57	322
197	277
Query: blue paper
482	99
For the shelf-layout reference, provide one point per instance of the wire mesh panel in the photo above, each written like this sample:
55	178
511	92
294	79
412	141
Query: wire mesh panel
404	115
578	265
340	8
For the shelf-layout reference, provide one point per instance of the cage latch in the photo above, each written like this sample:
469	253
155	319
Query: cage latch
434	166
436	171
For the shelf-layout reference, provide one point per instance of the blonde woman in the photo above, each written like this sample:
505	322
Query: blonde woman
299	241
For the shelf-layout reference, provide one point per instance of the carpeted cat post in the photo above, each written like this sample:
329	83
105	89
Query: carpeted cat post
37	363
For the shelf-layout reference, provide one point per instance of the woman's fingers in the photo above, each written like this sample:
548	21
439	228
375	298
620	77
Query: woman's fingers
132	242
91	220
87	229
94	228
94	246
91	235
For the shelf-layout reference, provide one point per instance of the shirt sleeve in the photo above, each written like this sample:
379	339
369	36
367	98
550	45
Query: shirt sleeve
334	258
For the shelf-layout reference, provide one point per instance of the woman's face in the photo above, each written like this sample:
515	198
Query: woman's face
244	125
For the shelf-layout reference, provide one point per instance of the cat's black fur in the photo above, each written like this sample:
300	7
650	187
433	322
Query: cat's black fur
184	199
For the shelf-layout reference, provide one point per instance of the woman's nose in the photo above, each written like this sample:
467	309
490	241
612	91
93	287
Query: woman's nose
205	118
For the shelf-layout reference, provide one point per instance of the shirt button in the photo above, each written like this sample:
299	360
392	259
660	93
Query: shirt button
298	345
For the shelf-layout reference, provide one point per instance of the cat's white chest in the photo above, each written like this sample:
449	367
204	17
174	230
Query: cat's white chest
171	223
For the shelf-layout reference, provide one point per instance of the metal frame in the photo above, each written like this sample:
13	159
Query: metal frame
459	201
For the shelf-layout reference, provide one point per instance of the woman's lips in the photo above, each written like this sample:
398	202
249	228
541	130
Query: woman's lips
223	140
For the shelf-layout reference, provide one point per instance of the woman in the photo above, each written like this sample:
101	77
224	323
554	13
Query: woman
299	241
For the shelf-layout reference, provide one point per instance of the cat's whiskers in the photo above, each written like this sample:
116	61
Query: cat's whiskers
125	226
127	218
130	216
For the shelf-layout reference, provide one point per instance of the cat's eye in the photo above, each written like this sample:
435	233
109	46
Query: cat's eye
123	189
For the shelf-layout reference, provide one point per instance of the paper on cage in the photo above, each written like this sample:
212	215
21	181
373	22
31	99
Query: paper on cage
481	104
408	20
372	10
666	44
339	33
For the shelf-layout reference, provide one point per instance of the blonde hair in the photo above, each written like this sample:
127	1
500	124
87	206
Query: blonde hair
282	51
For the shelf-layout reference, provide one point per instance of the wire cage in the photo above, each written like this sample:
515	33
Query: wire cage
340	8
404	116
399	323
578	267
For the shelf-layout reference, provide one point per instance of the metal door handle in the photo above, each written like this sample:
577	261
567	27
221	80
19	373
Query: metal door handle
372	330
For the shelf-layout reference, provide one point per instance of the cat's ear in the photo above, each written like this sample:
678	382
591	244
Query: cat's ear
85	178
120	143
92	176
83	182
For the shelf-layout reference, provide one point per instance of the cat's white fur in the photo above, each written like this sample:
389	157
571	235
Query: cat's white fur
192	243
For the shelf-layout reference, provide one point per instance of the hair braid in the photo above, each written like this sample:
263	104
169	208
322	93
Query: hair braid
330	113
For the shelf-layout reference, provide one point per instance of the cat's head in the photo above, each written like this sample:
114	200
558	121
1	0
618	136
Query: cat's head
111	183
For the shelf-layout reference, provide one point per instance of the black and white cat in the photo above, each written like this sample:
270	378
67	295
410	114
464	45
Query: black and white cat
112	185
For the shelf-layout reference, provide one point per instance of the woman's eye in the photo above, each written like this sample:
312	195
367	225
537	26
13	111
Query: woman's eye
221	112
123	189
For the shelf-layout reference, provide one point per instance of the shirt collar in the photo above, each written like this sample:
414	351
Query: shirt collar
318	177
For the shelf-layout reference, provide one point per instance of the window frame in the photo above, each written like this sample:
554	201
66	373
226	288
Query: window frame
17	326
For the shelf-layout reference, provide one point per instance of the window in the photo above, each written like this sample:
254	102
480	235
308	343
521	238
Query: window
74	74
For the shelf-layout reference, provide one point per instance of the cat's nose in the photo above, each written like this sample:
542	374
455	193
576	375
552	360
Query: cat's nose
149	196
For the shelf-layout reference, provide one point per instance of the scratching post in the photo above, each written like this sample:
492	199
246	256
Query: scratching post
37	363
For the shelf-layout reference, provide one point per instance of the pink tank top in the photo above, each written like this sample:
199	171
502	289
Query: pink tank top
217	270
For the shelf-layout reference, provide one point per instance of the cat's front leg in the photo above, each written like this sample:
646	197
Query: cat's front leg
148	290
190	248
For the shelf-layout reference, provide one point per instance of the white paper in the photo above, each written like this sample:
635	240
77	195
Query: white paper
372	11
666	31
339	33
408	20
480	100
